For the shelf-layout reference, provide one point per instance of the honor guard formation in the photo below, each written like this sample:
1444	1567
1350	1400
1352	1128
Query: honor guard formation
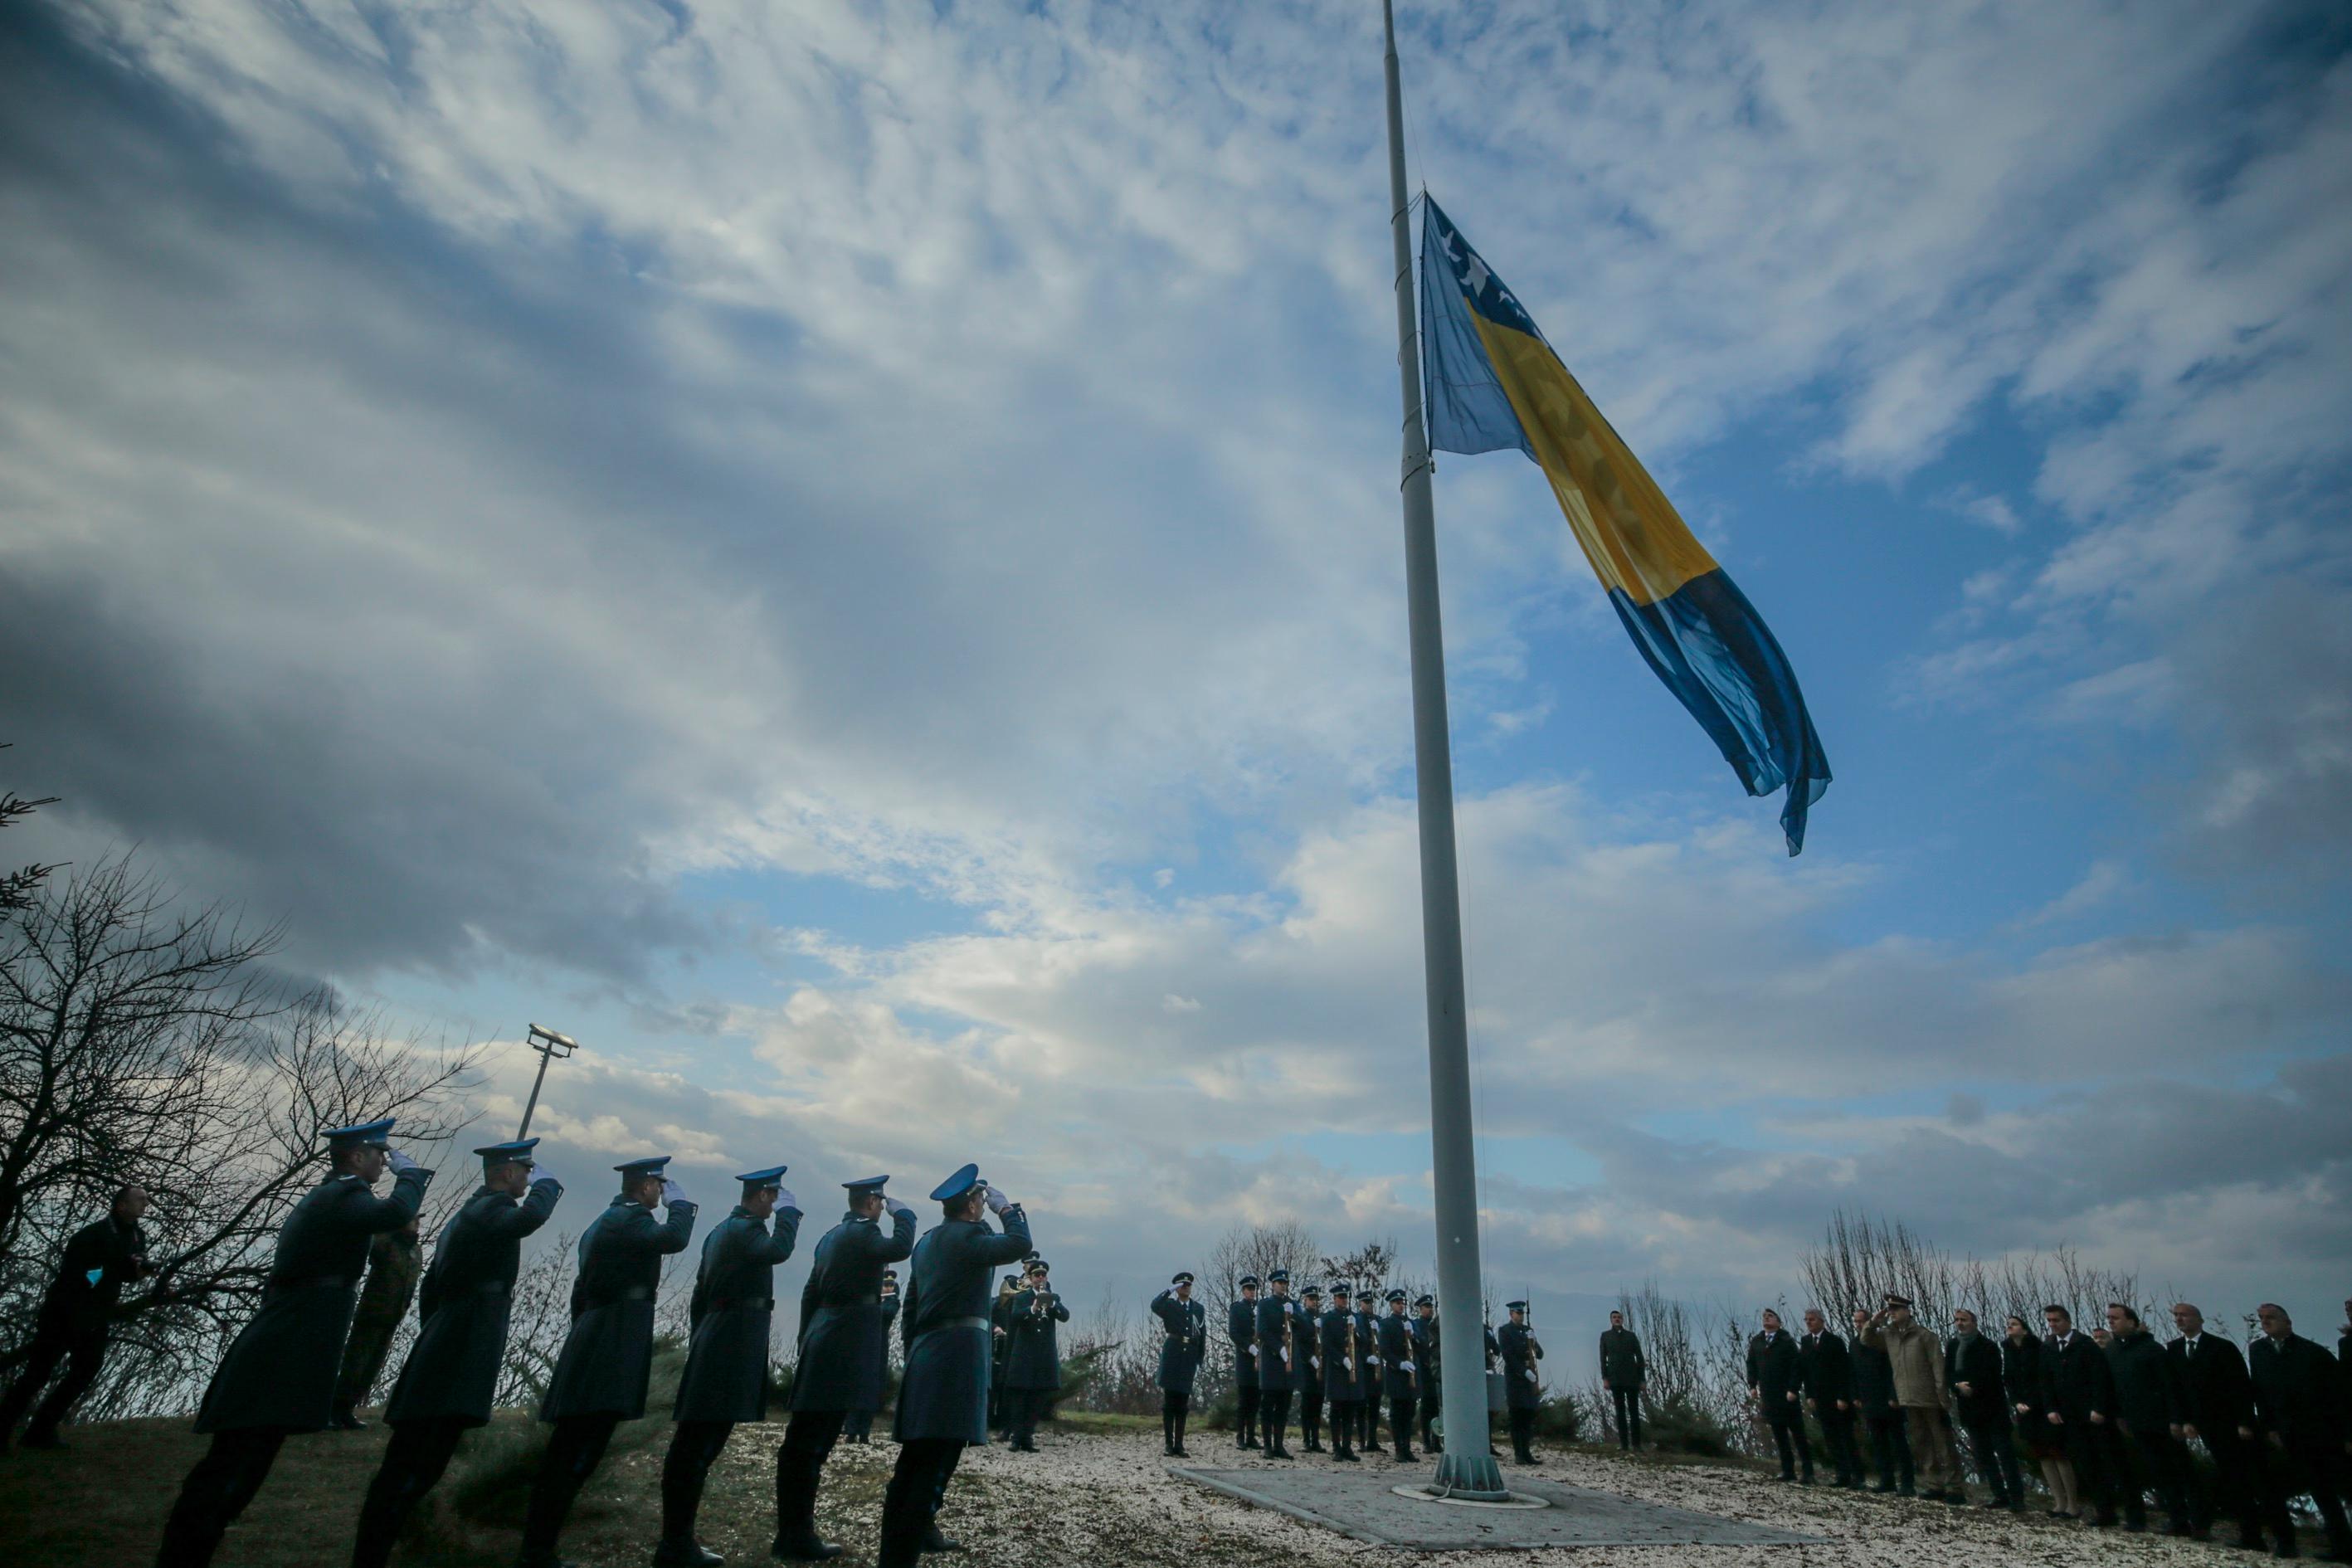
2105	1415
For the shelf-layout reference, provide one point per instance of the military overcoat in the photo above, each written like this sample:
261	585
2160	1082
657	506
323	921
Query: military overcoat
844	1331
726	1376
281	1371
1369	1359
1339	1356
608	1356
944	1326
1034	1361
1520	1352
452	1372
1185	1340
1275	1370
1400	1367
1240	1327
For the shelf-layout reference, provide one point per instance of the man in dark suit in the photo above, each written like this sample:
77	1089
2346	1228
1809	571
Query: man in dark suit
2217	1403
2147	1408
2299	1407
2079	1396
943	1398
840	1355
1622	1372
1972	1370
1873	1398
279	1377
1776	1381
1827	1376
600	1375
77	1316
445	1389
1241	1328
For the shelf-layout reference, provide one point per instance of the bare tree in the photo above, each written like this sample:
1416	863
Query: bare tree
17	887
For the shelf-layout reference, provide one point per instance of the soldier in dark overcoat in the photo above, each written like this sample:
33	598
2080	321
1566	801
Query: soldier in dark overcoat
1277	1355
278	1376
600	1375
857	1426
1306	1377
395	1258
1430	1354
1341	1354
943	1395
1000	1345
1623	1369
841	1354
1400	1375
1241	1328
1523	1389
77	1316
1368	1372
1032	1368
451	1375
726	1376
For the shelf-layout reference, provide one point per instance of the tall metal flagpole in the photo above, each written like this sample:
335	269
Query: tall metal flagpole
1467	1468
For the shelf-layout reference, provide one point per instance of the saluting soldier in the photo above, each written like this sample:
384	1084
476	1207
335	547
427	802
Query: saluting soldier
726	1376
600	1378
1424	1329
1185	1323
1369	1382
1307	1375
1342	1352
452	1373
857	1426
76	1317
278	1376
1240	1327
1277	1351
842	1353
1033	1368
394	1260
943	1398
1400	1375
1523	1389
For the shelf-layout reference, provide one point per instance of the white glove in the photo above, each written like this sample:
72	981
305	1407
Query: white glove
401	1163
784	1199
892	1207
1404	1366
997	1202
539	1174
672	1193
1530	1376
1253	1350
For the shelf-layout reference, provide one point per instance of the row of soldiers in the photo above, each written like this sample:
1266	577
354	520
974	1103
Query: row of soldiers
2107	1415
280	1375
1340	1357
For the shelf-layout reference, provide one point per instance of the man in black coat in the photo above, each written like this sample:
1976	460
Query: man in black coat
600	1375
1523	1388
2217	1403
1972	1371
2299	1408
1432	1365
1241	1328
1032	1367
1623	1369
726	1377
2078	1397
1776	1381
1828	1373
1342	1350
279	1377
451	1375
840	1356
944	1326
1873	1399
2147	1408
1400	1375
77	1316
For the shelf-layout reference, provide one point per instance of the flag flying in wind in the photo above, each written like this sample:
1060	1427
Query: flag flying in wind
1493	381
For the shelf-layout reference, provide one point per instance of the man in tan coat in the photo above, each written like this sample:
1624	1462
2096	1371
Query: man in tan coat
1916	1356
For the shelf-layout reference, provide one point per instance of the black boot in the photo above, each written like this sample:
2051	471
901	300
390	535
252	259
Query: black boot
684	1552
933	1541
346	1419
796	1538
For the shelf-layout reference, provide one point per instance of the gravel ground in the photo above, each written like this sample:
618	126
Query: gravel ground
1110	1500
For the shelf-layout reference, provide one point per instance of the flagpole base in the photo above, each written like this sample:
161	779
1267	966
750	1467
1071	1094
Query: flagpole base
1469	1478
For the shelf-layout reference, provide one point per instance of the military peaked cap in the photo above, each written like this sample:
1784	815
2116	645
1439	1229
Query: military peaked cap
867	1184
360	1135
1181	1280
1279	1276
1397	1297
767	1178
651	1165
1426	1301
1515	1306
1249	1281
514	1151
955	1186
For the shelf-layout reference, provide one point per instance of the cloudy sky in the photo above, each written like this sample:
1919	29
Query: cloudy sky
848	557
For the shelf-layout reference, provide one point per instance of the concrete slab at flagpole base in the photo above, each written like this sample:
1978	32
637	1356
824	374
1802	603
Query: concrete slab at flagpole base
1371	1506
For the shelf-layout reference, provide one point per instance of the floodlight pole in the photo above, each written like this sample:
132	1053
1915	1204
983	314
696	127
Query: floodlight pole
1466	1469
550	1046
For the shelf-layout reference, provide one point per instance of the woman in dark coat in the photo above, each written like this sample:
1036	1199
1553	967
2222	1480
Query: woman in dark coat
2020	1374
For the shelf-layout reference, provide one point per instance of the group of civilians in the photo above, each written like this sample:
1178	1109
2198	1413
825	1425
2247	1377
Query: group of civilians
2107	1415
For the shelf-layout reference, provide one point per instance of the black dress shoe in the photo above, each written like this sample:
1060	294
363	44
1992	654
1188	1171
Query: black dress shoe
809	1548
935	1542
686	1552
344	1420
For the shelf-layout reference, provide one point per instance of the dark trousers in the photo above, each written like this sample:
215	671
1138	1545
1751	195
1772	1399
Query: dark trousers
1523	1435
82	1350
1175	1409
858	1427
1789	1436
1274	1418
2314	1466
574	1449
1310	1415
1837	1437
216	1492
694	1445
1025	1408
413	1461
1890	1445
363	1356
1401	1415
1431	1396
2158	1458
1368	1421
1246	1423
912	1500
799	1465
1343	1426
2091	1447
1996	1455
2237	1484
1629	1417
